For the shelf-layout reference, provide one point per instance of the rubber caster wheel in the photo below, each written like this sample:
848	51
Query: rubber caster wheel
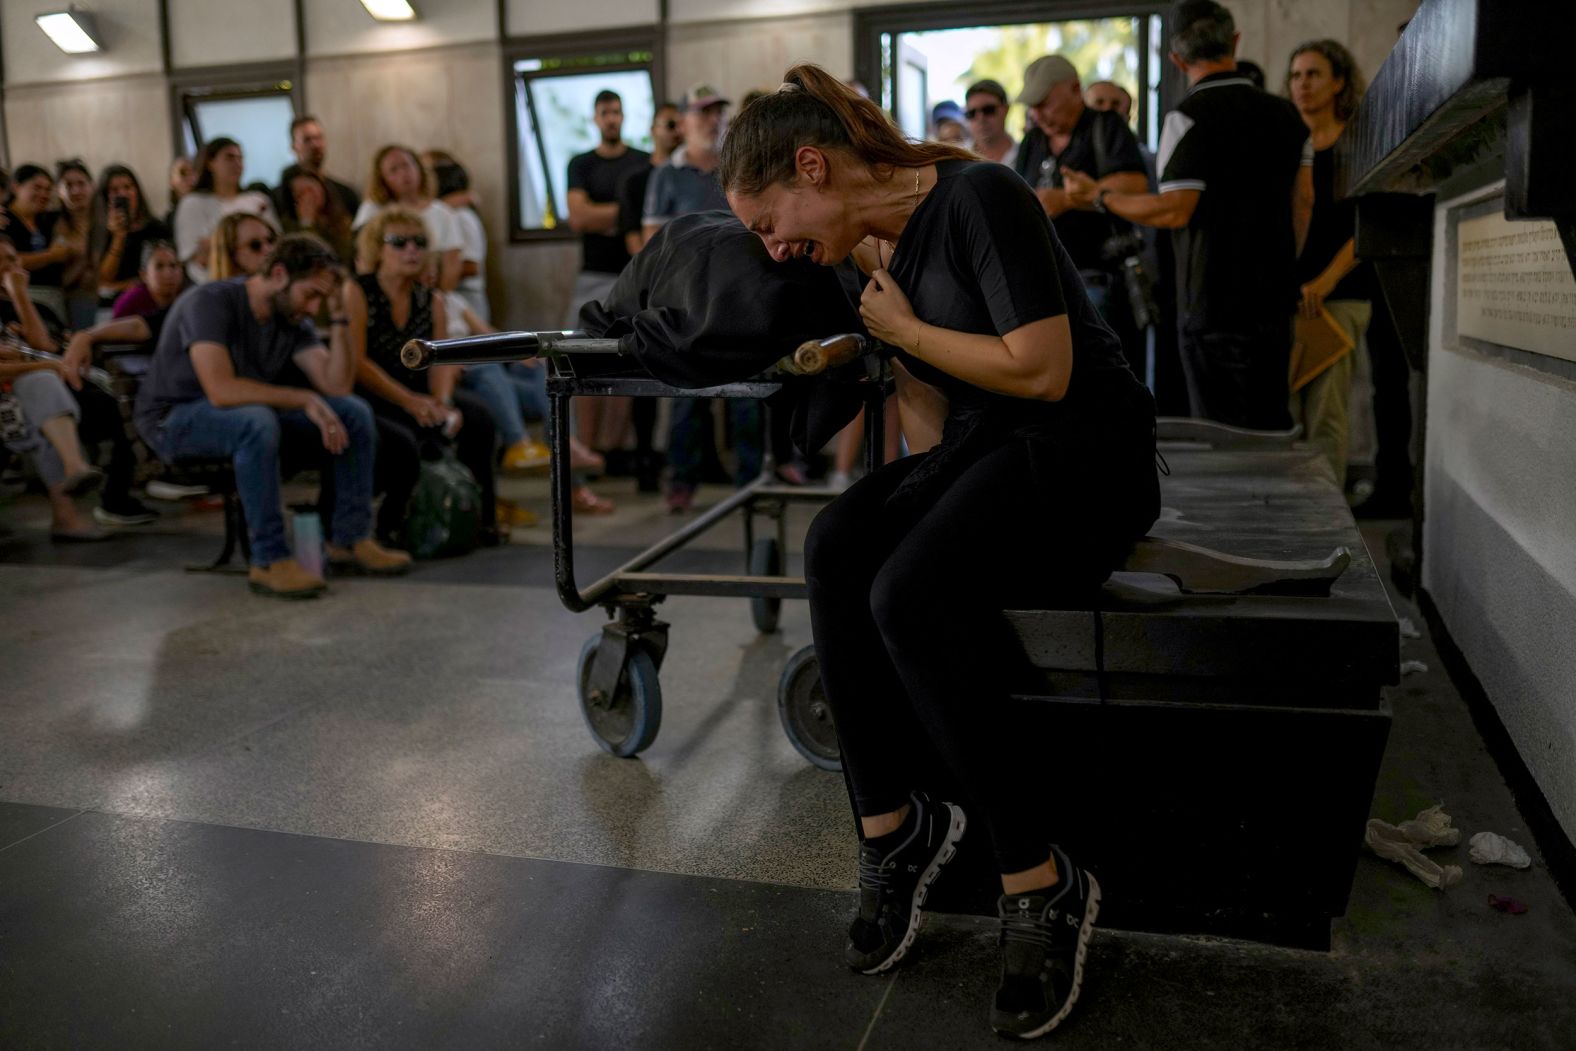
766	560
627	723
806	717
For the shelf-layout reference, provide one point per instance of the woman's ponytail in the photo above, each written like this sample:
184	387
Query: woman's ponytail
814	108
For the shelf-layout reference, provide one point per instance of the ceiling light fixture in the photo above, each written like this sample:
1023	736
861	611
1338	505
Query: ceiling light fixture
71	30
390	10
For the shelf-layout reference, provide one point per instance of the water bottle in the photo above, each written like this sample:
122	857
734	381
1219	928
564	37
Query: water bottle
307	530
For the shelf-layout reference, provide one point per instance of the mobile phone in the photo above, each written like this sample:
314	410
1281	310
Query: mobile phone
121	205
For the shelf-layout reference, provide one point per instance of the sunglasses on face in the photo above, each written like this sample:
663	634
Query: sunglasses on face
982	111
259	244
402	240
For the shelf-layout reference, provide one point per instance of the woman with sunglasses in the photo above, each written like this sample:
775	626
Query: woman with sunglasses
398	178
387	308
1033	476
240	243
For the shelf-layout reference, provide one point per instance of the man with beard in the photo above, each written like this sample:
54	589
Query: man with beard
216	389
594	178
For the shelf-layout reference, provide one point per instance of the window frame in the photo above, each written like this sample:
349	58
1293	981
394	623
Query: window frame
223	84
646	38
871	23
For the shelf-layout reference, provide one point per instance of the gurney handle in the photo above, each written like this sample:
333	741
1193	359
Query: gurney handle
817	355
500	346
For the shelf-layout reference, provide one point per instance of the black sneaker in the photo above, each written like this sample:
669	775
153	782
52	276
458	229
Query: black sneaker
1043	941
893	886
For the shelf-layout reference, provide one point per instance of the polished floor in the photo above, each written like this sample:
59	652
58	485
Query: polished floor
377	820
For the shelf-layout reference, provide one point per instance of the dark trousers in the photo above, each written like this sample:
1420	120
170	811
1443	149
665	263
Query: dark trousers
906	607
1238	376
1392	379
101	421
402	443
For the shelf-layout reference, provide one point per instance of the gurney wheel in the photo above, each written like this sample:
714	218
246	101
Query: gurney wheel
806	717
627	723
766	560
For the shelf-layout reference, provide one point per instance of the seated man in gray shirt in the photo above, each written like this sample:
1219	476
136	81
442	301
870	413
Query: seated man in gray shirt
218	386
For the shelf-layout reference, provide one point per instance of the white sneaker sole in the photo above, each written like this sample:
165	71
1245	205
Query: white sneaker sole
1091	910
949	848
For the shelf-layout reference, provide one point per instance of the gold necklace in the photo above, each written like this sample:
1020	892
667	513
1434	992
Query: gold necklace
916	183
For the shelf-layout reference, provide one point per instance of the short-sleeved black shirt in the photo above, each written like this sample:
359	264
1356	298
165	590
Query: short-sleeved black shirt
217	312
37	240
979	255
1241	147
632	200
1101	144
52	322
1334	223
131	255
600	177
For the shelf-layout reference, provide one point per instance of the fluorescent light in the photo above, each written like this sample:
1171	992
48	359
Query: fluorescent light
72	31
390	10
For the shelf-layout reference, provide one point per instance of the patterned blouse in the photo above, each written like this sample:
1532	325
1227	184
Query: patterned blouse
384	338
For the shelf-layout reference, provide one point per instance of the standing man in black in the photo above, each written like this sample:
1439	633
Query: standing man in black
310	147
1067	135
594	180
1236	183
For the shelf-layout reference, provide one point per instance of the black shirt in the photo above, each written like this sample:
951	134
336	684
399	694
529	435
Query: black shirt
632	200
1101	144
37	240
385	339
1241	147
1334	223
52	322
131	255
979	255
284	200
600	177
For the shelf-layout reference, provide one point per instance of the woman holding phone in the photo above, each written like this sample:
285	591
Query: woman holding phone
126	225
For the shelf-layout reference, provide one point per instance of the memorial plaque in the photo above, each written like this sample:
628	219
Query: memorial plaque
1514	286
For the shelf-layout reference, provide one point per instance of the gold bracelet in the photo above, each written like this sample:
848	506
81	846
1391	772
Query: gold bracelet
918	333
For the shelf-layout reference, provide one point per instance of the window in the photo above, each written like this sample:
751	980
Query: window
258	117
553	106
918	58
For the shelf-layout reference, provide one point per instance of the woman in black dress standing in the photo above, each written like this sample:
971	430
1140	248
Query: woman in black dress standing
1033	473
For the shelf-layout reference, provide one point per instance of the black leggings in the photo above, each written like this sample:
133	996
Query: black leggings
906	603
102	422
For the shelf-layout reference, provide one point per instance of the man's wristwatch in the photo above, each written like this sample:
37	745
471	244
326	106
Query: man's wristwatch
1099	201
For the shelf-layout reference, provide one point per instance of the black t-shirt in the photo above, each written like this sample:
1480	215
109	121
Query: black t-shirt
632	200
131	255
1334	223
979	255
600	177
217	312
284	200
1101	144
1241	147
37	240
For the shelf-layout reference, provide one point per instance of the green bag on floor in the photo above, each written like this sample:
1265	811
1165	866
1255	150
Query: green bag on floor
445	516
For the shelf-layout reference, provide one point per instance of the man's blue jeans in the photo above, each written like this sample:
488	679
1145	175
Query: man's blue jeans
515	396
253	437
691	440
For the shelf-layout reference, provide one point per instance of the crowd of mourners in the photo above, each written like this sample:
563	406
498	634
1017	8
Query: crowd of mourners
261	326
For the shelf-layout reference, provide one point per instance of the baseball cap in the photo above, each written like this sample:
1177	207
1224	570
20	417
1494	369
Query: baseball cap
699	96
946	110
1043	74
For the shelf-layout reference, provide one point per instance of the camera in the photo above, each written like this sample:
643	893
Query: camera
1127	250
121	204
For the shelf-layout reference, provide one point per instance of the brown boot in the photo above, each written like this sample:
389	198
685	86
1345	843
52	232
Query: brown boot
286	579
369	557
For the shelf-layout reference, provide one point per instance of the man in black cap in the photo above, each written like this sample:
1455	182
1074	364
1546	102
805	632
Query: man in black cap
1236	184
1066	134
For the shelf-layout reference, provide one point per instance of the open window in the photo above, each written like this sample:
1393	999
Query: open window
553	102
255	113
914	57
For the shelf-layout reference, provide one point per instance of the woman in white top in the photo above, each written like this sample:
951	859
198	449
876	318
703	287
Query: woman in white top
397	177
217	194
